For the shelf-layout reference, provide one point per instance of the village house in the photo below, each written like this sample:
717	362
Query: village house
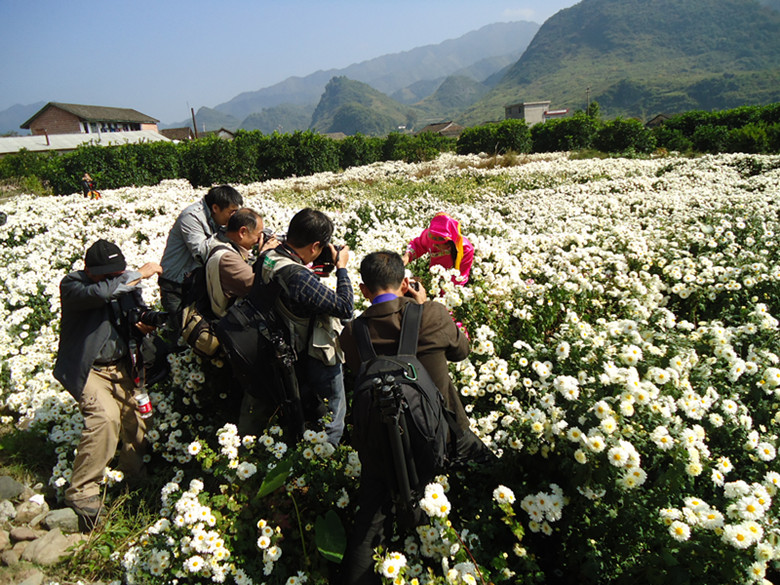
64	127
448	129
533	112
59	118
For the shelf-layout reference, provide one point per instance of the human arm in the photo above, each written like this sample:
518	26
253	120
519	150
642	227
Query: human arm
195	231
306	289
146	271
438	331
79	293
415	249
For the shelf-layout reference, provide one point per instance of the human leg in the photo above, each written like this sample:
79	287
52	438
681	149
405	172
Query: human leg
254	416
171	301
98	439
325	383
373	523
133	430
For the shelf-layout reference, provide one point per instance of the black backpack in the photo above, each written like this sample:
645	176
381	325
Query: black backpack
400	423
257	344
197	317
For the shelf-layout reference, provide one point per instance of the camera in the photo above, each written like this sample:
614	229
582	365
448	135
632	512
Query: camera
268	233
325	262
147	317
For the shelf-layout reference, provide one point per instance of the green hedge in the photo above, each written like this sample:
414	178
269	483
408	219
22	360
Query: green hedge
254	156
496	138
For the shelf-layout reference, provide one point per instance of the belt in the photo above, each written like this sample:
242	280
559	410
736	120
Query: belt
107	364
169	286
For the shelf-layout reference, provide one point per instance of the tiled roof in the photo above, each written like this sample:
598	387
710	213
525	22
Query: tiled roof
185	133
443	128
97	114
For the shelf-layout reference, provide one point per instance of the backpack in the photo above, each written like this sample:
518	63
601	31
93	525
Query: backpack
257	344
197	317
400	423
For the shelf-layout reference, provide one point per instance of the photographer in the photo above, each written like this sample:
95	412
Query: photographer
103	323
312	311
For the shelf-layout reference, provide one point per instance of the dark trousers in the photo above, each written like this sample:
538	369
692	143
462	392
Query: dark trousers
171	301
373	523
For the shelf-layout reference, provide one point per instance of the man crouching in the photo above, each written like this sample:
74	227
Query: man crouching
97	363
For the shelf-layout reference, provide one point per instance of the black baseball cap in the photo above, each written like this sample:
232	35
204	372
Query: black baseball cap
103	257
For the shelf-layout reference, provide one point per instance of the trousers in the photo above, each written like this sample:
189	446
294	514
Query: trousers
110	414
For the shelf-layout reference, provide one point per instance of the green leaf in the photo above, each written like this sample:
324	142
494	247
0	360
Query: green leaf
330	537
275	478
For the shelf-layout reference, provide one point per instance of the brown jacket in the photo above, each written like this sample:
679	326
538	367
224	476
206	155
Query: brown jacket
439	341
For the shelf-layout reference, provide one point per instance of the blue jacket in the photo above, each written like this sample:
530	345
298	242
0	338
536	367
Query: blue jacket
86	323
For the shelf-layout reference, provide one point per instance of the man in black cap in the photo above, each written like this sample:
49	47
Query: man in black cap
95	363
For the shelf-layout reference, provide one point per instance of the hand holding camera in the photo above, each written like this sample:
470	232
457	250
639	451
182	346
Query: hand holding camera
331	258
416	291
271	240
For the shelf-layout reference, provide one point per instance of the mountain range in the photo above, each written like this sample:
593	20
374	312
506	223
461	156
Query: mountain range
645	57
635	57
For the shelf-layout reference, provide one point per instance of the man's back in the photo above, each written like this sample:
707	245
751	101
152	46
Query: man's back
186	244
439	342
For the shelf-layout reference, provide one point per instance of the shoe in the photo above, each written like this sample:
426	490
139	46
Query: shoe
90	508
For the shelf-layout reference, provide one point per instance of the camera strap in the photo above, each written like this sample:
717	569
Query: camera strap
119	307
137	368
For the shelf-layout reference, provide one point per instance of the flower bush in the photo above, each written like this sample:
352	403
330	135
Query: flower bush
624	368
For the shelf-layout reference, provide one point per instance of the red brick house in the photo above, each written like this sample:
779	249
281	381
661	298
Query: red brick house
59	118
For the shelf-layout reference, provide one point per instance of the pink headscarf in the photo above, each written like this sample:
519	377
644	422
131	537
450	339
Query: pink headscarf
443	226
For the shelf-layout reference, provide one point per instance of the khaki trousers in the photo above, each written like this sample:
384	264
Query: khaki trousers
110	414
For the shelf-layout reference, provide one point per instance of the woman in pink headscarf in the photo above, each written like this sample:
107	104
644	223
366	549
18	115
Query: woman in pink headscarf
447	247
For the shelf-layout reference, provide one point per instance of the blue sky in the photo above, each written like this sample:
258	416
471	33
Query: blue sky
163	56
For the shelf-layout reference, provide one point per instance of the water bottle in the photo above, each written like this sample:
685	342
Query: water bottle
144	404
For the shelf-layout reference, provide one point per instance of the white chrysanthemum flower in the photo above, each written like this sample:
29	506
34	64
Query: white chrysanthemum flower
680	531
392	564
503	495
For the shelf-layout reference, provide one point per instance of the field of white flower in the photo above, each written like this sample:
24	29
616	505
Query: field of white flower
624	367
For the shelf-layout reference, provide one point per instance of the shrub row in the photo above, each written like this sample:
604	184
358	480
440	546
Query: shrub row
254	156
749	129
251	156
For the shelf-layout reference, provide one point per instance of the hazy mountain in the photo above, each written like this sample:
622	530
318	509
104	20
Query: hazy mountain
283	118
350	107
643	57
455	94
16	115
774	4
210	119
417	91
391	73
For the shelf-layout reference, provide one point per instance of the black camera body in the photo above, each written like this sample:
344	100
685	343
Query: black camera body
127	313
325	262
413	284
268	233
147	317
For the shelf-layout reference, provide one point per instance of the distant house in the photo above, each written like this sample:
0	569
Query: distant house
222	133
59	118
533	112
178	134
658	120
448	129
